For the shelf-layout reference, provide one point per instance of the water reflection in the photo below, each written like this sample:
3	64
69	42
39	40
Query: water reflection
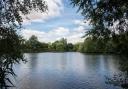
66	71
63	62
31	61
121	78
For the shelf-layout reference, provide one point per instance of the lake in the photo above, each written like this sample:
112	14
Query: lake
68	70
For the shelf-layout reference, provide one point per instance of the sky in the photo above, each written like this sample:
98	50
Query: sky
61	21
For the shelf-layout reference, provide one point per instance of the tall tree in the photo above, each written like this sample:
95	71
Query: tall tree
11	12
104	13
109	18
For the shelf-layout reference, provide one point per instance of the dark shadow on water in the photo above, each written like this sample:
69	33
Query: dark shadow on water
5	72
120	79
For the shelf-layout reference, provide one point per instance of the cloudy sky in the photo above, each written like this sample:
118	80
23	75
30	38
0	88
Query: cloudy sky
61	21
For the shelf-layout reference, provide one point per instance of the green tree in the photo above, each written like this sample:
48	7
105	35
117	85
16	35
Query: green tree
108	19
51	47
95	45
11	12
44	47
32	45
10	53
70	47
78	47
59	45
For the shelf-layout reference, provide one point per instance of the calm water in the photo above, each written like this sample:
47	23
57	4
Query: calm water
68	70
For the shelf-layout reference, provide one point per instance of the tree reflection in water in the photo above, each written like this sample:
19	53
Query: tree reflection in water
120	79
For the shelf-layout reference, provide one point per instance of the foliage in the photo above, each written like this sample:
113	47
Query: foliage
60	45
108	19
11	11
78	47
33	45
70	47
101	45
90	45
10	53
96	45
103	13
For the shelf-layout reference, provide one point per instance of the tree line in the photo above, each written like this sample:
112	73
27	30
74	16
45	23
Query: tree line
90	45
34	45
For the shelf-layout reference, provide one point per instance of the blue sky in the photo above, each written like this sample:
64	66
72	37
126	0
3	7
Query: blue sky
61	21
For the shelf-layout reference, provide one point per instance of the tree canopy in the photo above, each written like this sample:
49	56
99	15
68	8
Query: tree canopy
33	45
104	14
11	11
109	20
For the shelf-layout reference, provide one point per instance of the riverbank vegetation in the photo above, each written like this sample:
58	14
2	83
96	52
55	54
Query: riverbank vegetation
109	21
90	45
33	45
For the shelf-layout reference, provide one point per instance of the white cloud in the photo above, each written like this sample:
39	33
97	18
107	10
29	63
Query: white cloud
60	31
85	23
55	7
79	22
72	36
